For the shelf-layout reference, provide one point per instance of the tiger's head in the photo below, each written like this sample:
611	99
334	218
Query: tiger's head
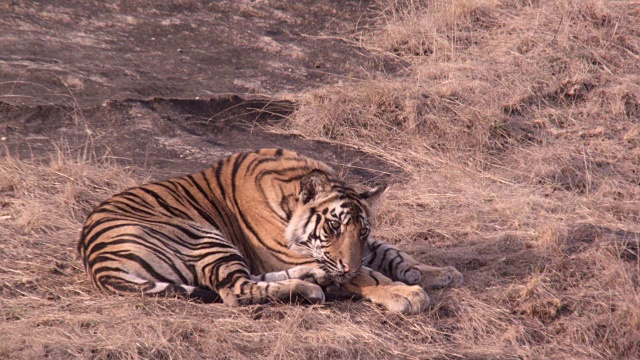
331	223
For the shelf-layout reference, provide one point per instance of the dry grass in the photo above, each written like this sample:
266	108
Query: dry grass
517	123
503	76
49	309
549	292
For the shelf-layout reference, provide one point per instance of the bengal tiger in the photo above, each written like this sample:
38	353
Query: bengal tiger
268	225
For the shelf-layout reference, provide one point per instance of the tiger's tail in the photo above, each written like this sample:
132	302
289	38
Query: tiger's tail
133	285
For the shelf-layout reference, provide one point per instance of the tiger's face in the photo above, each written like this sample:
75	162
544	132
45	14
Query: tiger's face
331	224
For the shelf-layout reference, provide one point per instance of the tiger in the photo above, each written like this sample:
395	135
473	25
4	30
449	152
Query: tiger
256	227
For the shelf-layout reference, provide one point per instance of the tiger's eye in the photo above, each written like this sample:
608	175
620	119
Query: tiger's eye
335	225
364	232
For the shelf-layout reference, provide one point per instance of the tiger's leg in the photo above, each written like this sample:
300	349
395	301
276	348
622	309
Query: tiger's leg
228	274
400	266
394	295
244	291
216	264
302	272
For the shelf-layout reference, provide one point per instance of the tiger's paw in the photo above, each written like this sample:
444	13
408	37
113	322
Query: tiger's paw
299	291
402	298
433	277
315	276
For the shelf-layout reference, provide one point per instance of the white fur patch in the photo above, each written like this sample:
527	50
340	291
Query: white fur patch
134	279
159	287
189	289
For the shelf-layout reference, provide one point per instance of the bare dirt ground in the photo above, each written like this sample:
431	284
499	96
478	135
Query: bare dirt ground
509	130
175	49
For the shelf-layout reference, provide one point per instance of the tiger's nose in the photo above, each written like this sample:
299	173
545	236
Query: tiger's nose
345	266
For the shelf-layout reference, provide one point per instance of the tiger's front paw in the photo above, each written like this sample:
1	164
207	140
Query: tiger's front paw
299	291
399	297
317	276
433	277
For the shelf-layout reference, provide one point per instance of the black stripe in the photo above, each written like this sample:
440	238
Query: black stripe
99	233
390	265
219	168
372	258
196	206
101	269
171	186
374	278
140	261
257	161
126	254
253	232
234	171
384	255
227	220
227	281
132	193
286	172
312	212
127	208
170	209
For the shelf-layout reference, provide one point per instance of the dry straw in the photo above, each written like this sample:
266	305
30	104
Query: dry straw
516	125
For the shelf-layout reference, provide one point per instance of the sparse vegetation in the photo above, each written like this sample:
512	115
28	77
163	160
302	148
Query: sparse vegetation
517	126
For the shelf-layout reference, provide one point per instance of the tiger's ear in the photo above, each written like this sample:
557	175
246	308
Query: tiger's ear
312	184
374	196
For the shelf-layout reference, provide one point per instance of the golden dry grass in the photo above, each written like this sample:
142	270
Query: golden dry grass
49	309
517	125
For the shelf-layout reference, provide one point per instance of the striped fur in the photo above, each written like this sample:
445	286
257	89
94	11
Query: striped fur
268	225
